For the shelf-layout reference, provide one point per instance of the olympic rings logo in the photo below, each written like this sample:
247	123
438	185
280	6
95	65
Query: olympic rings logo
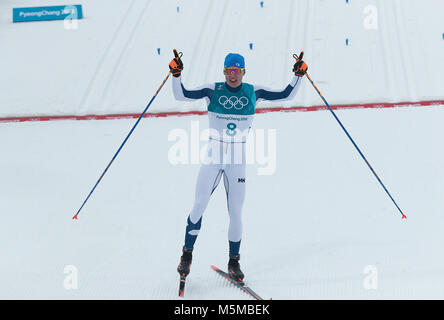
233	101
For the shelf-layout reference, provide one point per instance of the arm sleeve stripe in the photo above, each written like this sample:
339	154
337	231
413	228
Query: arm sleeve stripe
182	94
286	94
197	94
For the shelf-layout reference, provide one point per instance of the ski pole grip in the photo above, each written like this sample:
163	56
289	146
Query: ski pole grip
176	54
300	56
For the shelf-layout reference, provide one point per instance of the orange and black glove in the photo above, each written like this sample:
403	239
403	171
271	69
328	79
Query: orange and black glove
176	65
300	67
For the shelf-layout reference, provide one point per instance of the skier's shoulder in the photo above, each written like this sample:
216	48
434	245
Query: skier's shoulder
218	86
248	87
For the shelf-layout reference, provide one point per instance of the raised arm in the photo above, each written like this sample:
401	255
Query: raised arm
182	94
263	93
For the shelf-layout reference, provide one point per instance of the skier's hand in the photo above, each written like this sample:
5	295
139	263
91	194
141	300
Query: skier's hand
300	67
176	65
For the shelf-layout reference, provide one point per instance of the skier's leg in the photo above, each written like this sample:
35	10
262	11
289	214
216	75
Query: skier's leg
234	181
207	180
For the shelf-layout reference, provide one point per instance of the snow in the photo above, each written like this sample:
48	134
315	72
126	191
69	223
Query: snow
110	63
317	228
310	229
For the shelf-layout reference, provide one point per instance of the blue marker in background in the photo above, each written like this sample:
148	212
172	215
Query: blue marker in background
158	51
251	46
346	42
262	4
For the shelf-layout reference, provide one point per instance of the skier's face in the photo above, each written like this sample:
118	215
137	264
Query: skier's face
233	76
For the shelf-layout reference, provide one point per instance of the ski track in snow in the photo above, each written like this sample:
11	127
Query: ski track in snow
400	61
309	230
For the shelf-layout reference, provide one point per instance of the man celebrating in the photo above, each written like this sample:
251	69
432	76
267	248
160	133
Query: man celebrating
231	108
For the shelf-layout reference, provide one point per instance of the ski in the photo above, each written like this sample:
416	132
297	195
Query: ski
240	284
182	287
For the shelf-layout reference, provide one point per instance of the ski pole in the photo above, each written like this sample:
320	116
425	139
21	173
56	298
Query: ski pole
121	146
403	216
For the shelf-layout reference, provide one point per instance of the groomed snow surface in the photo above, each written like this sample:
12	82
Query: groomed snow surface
110	64
317	228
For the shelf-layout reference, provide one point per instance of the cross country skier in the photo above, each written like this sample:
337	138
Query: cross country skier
231	108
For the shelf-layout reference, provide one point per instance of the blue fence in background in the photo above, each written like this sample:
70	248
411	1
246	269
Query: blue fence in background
47	13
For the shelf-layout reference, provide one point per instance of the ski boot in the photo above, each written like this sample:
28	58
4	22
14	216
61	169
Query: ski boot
185	262
234	268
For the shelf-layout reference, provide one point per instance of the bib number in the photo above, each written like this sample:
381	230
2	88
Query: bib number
231	129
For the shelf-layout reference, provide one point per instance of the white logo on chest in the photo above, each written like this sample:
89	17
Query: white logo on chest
233	101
